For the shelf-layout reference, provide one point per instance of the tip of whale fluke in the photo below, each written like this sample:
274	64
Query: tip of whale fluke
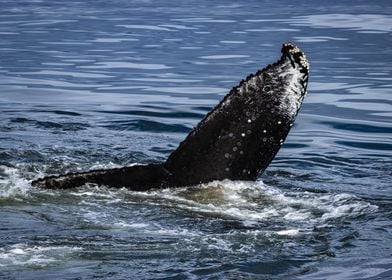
291	50
237	140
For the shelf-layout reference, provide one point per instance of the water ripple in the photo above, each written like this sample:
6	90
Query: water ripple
369	23
123	64
87	85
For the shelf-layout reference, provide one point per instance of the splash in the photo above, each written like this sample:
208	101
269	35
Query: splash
12	184
254	204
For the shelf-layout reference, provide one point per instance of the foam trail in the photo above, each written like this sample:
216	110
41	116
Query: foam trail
252	204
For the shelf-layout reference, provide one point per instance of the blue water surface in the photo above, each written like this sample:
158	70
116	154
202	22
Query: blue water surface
100	84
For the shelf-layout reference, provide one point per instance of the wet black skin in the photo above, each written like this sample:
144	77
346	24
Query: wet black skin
237	140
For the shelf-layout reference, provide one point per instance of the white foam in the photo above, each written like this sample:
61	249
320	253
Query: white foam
269	214
288	232
220	244
25	255
255	202
130	225
11	183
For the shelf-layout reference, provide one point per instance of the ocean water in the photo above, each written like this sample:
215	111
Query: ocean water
99	84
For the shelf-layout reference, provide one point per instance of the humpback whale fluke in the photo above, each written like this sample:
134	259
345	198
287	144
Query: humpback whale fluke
237	140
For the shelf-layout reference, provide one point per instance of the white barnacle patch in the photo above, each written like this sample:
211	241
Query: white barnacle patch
264	139
302	57
291	98
235	148
249	120
227	155
291	124
244	170
230	134
304	62
243	134
279	122
241	152
264	131
227	169
295	50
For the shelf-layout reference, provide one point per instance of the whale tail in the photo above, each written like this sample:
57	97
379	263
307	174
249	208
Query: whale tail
237	140
138	178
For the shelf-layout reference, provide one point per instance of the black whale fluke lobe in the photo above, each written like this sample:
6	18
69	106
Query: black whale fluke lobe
237	140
